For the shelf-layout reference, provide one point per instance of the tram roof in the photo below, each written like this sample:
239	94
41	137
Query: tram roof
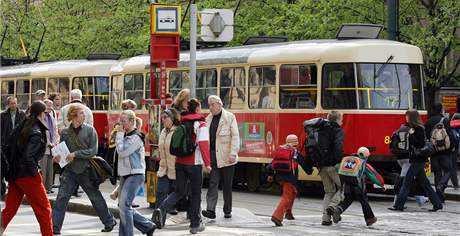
68	68
324	51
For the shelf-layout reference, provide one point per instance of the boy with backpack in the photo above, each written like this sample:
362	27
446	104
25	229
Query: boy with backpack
353	172
285	167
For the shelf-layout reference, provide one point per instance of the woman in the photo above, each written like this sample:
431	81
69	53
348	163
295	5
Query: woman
167	171
181	101
27	181
81	140
417	163
131	168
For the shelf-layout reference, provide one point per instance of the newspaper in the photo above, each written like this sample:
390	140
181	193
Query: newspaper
63	151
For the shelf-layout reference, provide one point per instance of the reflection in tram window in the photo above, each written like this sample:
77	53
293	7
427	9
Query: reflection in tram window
134	87
177	81
206	85
262	89
116	92
61	86
338	86
7	89
298	86
232	86
23	93
95	91
147	84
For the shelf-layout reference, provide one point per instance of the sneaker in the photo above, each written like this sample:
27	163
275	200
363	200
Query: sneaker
150	233
335	213
394	209
436	209
173	212
199	228
208	214
289	216
326	223
371	221
227	215
276	222
109	228
157	218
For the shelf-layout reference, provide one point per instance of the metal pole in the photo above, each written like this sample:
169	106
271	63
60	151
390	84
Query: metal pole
393	16
193	36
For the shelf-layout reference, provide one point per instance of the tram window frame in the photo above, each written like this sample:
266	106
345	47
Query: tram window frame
206	85
260	85
339	93
116	94
25	93
134	92
60	87
101	93
232	102
9	93
292	78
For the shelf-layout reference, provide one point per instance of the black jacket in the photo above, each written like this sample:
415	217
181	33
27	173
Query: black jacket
27	162
431	122
7	125
417	140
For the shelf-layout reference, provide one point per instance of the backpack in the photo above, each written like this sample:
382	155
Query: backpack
182	140
439	137
318	141
283	160
399	142
352	166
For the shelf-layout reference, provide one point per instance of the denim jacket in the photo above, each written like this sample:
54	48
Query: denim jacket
131	154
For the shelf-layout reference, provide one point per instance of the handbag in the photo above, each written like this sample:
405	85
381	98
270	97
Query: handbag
426	151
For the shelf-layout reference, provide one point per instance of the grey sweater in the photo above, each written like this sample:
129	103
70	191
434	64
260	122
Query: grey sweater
88	141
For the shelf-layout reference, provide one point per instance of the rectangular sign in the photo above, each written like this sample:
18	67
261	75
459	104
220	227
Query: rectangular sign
165	19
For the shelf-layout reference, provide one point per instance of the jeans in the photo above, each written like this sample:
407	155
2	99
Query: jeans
195	175
353	192
286	201
68	183
165	187
217	175
442	165
332	189
416	170
129	217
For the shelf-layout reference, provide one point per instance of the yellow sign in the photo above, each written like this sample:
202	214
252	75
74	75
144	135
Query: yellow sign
165	19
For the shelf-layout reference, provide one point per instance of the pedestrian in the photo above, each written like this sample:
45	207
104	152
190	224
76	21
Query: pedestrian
46	163
438	131
354	172
189	168
455	125
181	101
131	168
40	95
57	102
24	178
224	140
11	117
287	157
81	140
167	166
417	165
325	150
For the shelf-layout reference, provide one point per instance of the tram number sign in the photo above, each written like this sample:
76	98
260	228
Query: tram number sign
165	19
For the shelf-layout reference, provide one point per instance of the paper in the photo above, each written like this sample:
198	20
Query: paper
63	151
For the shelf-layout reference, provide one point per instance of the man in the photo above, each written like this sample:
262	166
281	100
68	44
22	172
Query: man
40	95
224	145
11	117
52	138
441	161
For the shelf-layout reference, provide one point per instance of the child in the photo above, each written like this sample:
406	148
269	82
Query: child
353	171
284	165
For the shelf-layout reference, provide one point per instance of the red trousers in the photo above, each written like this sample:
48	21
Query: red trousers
286	201
33	188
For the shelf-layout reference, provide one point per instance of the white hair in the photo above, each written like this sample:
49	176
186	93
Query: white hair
75	94
215	98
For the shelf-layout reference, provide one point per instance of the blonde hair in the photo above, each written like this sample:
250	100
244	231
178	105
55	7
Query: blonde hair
132	104
73	110
130	114
182	96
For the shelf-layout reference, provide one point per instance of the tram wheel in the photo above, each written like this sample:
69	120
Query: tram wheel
253	176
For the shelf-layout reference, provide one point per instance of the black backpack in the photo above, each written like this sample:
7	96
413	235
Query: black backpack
317	144
183	140
399	143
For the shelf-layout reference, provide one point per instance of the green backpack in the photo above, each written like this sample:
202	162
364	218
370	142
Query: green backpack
183	140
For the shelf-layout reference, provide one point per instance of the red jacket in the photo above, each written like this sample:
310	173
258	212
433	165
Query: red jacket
202	155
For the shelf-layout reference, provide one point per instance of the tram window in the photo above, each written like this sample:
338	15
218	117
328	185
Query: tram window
206	85
86	85
7	90
116	91
61	86
179	80
23	93
232	86
262	90
388	86
38	84
101	92
338	86
298	86
416	82
134	87
147	84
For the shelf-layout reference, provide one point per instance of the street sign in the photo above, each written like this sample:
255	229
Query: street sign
165	19
216	25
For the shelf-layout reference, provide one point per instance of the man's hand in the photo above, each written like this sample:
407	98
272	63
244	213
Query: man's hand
71	156
120	128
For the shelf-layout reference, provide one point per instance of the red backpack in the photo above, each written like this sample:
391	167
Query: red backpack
282	160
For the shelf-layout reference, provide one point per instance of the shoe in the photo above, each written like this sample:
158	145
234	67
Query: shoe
173	212
157	218
150	233
326	223
199	228
109	228
134	205
371	221
436	209
208	214
227	215
277	222
394	209
56	232
289	216
335	213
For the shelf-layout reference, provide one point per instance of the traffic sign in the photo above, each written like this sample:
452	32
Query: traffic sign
165	19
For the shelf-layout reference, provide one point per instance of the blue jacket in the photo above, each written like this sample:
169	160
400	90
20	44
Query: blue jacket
131	154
